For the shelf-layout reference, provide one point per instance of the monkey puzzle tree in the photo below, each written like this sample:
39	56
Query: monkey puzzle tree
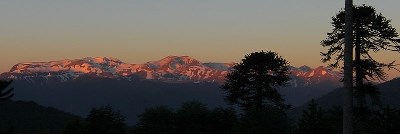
372	32
347	66
254	83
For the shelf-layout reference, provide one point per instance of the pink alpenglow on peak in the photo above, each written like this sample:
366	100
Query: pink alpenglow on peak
171	68
168	69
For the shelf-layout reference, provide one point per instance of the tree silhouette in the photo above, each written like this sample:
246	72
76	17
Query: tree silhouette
191	118
362	120
254	83
372	32
312	121
347	66
105	120
222	120
268	121
334	120
158	120
386	121
4	93
75	126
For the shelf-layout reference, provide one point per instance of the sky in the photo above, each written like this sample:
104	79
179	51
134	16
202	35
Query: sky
137	31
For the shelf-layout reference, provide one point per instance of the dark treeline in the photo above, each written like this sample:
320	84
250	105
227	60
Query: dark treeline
103	120
196	118
18	117
191	118
367	120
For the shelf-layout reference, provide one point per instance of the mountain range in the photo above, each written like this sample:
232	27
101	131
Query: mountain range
78	85
168	69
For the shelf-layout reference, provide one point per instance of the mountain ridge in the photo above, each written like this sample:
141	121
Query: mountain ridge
168	69
77	85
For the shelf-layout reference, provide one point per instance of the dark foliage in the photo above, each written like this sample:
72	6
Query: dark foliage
267	121
105	120
222	120
381	120
370	90
386	121
329	121
157	120
372	31
76	126
20	117
254	83
312	121
334	120
4	93
191	118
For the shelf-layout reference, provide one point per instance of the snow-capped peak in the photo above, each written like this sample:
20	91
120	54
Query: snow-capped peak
103	60
98	65
305	68
306	71
171	68
315	75
168	68
174	62
178	60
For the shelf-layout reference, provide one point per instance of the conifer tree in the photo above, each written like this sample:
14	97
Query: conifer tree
372	32
105	120
254	83
312	121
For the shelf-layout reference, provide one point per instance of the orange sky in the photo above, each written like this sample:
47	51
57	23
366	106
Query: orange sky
141	31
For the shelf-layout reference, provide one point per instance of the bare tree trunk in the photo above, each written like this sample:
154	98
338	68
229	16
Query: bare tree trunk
348	70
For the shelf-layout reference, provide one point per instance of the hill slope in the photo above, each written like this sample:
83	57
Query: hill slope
390	95
130	97
31	118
